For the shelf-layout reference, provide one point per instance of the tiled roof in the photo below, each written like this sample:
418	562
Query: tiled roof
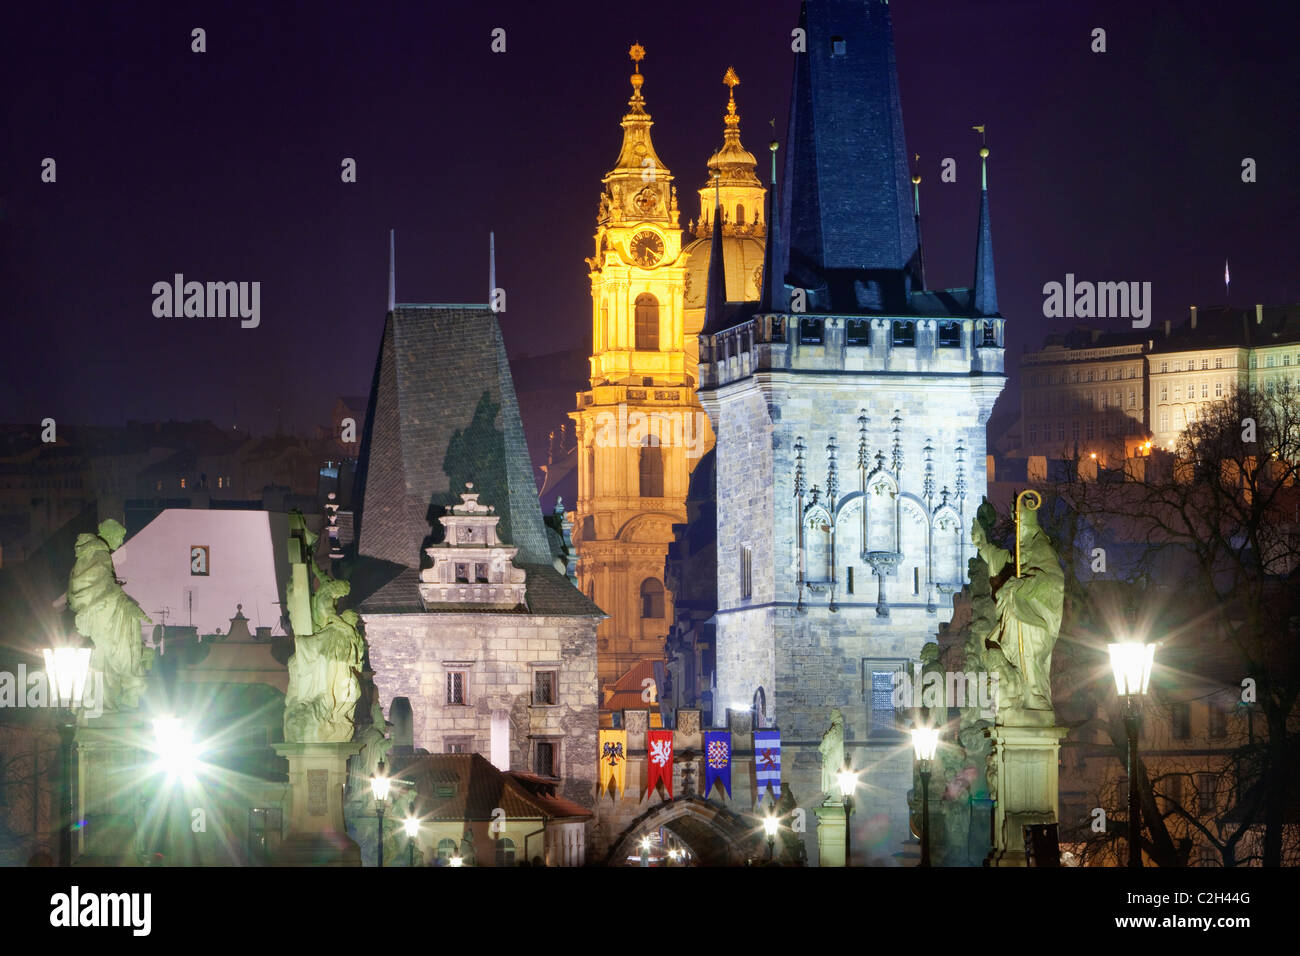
625	693
468	787
440	369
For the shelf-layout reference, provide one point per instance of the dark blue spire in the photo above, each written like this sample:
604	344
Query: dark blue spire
847	202
985	287
772	297
715	300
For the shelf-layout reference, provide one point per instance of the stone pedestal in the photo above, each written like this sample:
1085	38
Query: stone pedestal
831	834
317	778
113	781
1024	758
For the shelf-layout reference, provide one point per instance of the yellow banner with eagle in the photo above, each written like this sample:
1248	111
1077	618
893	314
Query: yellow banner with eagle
613	760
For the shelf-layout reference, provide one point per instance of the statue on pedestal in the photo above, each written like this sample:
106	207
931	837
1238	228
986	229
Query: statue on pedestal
832	753
324	684
106	614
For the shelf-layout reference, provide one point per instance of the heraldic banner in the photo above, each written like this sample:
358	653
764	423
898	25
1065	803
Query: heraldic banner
767	761
659	748
717	760
613	759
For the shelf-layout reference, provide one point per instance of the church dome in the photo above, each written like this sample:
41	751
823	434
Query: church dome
742	260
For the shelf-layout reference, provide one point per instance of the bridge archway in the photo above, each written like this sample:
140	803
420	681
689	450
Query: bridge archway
715	835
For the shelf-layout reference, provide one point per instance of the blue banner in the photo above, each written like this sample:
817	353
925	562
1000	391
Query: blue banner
717	760
767	761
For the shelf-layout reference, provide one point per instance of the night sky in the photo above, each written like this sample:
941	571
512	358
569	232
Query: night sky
225	166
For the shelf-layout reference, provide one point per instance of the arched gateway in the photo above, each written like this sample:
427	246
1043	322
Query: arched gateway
716	836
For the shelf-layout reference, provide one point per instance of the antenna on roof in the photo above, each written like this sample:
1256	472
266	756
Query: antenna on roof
1227	282
392	269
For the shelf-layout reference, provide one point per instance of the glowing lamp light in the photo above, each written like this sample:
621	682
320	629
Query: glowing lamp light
1131	662
456	860
177	755
412	827
380	783
645	844
848	781
770	824
925	741
67	668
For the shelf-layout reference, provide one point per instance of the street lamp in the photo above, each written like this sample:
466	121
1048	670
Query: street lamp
1132	662
379	785
848	781
645	851
456	859
925	741
66	669
412	827
770	824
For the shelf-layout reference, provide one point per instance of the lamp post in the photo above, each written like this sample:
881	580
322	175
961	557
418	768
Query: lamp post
456	859
848	781
645	851
1131	662
770	824
412	827
66	669
925	741
176	760
379	785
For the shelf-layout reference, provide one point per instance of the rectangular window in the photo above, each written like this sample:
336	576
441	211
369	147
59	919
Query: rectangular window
916	580
1033	438
1132	398
1218	719
1205	792
544	687
1164	366
747	573
1271	360
459	745
879	678
1205	363
1074	429
1205	390
544	758
1164	421
1090	428
1060	431
1174	790
456	687
1218	389
1164	393
1178	393
1182	720
1218	362
849	586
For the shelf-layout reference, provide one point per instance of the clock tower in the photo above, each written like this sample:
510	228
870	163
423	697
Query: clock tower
639	428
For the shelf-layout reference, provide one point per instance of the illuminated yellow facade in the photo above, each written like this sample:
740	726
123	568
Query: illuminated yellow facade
639	428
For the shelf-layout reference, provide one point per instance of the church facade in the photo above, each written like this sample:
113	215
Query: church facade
849	408
639	428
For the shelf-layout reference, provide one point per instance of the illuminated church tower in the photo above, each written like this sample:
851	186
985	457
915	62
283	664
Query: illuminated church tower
849	407
640	429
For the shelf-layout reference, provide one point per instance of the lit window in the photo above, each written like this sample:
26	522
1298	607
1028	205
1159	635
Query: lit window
183	482
838	46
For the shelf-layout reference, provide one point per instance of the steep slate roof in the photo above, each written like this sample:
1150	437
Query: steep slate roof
437	366
436	363
477	788
1227	327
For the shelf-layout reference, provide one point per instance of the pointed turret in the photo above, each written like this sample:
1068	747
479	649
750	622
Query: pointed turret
772	297
733	180
985	301
639	187
716	300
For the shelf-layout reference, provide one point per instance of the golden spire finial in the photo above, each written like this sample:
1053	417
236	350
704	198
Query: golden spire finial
732	82
637	53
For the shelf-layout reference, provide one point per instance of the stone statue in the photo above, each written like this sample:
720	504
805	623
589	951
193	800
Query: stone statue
328	650
106	614
832	753
1027	611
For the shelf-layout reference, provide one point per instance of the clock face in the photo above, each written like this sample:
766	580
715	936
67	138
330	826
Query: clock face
647	248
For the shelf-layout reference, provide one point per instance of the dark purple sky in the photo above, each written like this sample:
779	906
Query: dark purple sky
225	166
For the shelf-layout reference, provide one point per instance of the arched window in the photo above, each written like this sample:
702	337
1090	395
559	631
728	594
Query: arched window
652	599
760	708
591	471
647	322
505	852
446	849
740	214
651	470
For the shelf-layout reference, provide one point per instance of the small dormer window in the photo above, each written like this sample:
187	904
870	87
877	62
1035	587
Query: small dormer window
838	47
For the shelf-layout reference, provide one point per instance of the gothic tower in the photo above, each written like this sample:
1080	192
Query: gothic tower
849	407
638	427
